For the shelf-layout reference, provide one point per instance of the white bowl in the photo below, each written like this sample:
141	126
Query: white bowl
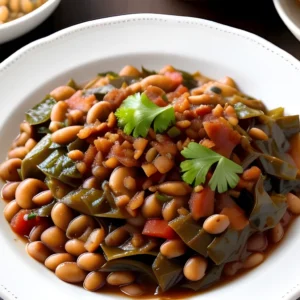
260	69
289	11
20	26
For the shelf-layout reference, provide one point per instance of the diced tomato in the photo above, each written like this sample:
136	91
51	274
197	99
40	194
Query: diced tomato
181	103
202	204
175	76
203	110
237	218
159	228
78	101
123	155
223	200
223	136
22	226
295	149
155	94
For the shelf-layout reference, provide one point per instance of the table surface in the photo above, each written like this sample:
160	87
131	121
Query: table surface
256	16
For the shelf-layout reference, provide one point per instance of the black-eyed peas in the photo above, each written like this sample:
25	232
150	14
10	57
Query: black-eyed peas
75	247
293	203
11	210
91	261
27	189
66	135
173	248
81	227
253	260
70	272
38	251
132	290
120	278
54	260
195	268
61	215
95	239
43	198
216	224
94	281
62	93
8	191
9	169
55	239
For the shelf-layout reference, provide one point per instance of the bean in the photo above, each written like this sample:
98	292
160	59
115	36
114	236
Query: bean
130	183
232	268
27	189
252	174
172	248
175	188
91	183
55	239
11	210
163	164
276	233
19	152
81	227
54	126
94	281
116	237
206	99
253	260
120	278
258	134
99	111
26	127
161	81
36	232
195	267
43	198
4	13
54	260
9	169
76	155
216	224
137	240
286	219
91	261
138	221
27	6
59	110
152	207
132	290
75	247
293	203
130	71
62	93
95	239
228	81
8	191
151	154
38	251
70	272
75	116
116	180
14	5
3	2
21	139
257	242
61	215
66	135
30	144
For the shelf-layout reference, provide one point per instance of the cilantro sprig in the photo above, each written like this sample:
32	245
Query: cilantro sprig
137	113
200	160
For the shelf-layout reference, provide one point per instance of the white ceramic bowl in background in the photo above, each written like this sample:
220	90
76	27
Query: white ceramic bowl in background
259	68
20	26
289	11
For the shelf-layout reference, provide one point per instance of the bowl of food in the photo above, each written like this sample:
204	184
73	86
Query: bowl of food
132	177
289	11
17	17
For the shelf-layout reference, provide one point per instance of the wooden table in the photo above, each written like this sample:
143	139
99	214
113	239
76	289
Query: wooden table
257	16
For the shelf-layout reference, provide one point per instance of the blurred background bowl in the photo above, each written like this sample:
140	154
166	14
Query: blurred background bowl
18	27
289	11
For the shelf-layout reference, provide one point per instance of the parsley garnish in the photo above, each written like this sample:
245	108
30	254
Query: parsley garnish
199	161
137	113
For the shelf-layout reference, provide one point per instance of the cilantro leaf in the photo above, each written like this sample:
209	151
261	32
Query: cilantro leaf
138	112
199	161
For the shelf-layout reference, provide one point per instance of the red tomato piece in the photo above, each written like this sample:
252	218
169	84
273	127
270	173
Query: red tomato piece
237	218
78	101
222	135
202	204
22	226
159	228
175	76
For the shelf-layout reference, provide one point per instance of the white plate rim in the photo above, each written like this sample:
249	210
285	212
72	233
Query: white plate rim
289	59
